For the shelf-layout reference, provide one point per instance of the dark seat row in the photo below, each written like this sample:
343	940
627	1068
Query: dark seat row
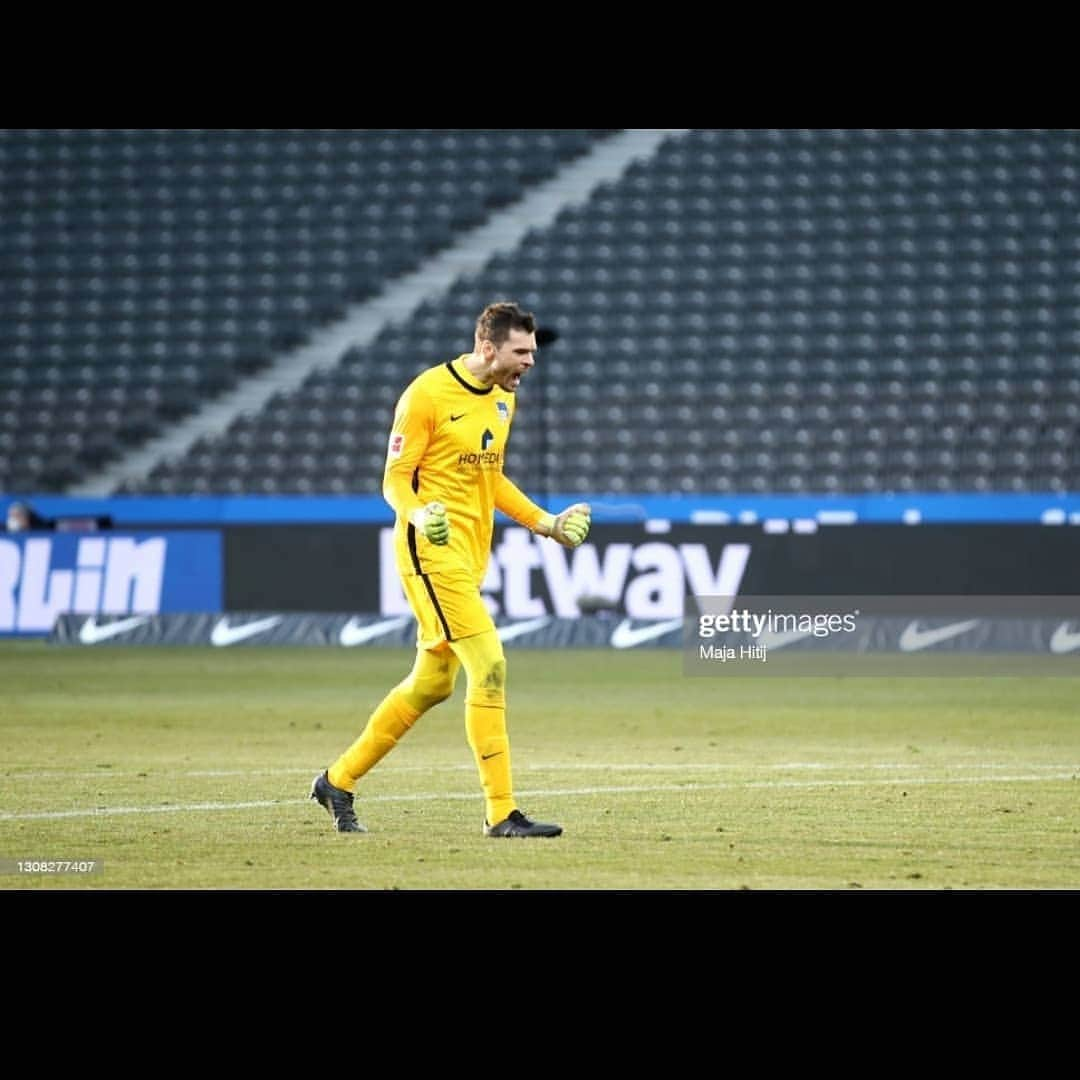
743	311
163	266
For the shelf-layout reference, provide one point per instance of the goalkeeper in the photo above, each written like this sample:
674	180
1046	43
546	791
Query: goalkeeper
444	479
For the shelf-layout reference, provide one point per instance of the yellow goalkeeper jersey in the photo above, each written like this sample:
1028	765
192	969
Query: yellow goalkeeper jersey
448	445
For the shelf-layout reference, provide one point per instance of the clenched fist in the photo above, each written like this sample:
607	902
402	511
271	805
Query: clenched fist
432	522
572	526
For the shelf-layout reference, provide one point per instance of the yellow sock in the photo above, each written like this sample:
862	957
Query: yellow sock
386	725
430	681
485	726
485	720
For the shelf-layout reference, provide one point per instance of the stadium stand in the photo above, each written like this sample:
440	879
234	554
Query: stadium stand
746	311
144	272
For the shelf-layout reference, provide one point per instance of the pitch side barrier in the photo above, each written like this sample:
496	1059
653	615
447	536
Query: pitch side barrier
640	567
747	636
798	511
642	573
630	571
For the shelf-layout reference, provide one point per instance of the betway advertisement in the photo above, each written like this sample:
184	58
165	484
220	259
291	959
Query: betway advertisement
529	576
643	573
43	576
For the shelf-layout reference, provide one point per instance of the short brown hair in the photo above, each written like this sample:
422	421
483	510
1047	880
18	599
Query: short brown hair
498	319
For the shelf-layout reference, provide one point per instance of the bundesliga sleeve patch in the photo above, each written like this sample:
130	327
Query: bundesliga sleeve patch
397	444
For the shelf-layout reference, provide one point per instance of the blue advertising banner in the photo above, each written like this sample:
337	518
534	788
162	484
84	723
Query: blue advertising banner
45	574
910	508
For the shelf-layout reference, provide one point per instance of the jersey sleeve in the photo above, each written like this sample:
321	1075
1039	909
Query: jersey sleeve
510	499
414	422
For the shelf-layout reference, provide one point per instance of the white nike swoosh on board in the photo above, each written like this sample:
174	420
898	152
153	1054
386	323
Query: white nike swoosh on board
626	637
223	634
779	640
1064	640
351	634
913	638
513	630
90	633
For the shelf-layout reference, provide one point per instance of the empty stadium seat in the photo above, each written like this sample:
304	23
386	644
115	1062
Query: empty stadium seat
187	259
758	310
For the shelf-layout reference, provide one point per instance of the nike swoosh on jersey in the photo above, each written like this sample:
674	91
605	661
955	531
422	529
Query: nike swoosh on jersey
515	630
351	634
223	634
458	417
1064	640
913	639
90	633
625	636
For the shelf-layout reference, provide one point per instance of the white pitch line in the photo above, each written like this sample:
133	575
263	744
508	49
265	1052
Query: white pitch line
640	789
603	766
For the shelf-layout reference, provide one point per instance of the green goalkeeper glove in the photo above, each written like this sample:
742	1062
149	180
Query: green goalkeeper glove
431	521
568	528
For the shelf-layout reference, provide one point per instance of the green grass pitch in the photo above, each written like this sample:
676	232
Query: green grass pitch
188	768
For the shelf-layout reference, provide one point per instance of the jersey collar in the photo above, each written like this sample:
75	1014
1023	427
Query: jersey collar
463	379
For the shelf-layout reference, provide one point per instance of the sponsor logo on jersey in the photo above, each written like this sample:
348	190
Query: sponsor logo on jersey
487	459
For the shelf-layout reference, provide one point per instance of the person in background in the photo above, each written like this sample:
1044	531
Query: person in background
21	518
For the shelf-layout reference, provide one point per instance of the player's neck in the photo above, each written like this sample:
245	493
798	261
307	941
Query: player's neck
479	368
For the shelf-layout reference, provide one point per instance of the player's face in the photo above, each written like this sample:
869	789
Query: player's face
512	359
